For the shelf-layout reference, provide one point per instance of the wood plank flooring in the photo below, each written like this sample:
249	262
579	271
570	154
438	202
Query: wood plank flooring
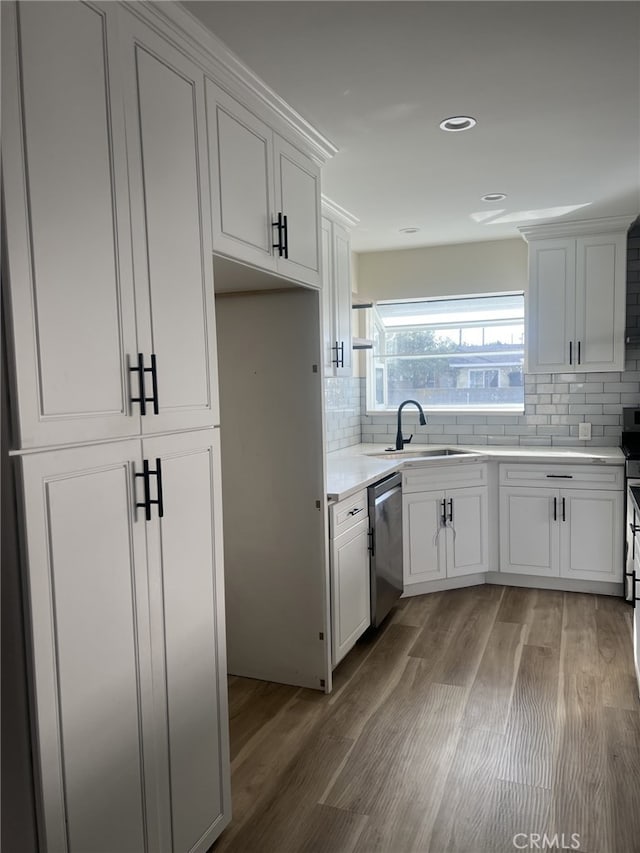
469	717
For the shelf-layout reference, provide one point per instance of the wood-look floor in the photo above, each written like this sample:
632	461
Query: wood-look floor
469	717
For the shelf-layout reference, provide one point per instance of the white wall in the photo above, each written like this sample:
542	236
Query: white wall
452	270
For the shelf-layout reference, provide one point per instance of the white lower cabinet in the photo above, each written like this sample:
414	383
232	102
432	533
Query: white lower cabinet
529	536
445	530
571	532
350	578
126	625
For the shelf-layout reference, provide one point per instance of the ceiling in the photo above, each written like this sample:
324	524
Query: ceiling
554	87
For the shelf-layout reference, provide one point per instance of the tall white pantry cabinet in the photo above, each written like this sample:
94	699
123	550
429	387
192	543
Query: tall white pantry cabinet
109	313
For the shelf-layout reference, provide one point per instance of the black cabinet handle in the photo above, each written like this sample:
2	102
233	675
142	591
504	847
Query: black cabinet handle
579	345
339	359
570	352
443	507
356	510
140	369
154	383
564	515
147	503
451	510
281	245
560	476
286	238
555	509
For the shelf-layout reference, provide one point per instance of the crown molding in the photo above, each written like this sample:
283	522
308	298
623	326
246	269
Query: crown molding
577	228
333	210
228	69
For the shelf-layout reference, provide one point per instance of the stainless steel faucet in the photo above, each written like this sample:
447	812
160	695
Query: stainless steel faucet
400	441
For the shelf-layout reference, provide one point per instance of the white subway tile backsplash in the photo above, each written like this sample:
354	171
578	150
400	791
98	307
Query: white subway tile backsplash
591	409
555	405
621	387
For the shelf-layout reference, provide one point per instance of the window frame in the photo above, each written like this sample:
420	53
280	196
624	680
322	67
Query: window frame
372	369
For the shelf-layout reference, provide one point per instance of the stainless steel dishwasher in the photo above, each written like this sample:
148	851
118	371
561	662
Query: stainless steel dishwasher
385	545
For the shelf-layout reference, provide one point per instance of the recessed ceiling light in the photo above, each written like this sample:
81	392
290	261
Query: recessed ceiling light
456	123
411	230
494	196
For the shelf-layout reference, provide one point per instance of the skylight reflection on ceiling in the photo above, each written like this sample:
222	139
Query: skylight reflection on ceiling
542	213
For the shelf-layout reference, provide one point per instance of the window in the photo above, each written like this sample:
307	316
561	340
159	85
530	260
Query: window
461	354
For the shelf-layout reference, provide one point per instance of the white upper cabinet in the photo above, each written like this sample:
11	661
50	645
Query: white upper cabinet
171	230
265	193
108	246
68	242
240	163
576	296
336	286
297	182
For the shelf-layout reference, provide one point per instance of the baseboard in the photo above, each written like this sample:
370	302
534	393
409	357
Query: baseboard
563	584
445	583
505	579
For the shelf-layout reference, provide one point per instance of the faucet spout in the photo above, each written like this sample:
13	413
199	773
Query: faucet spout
400	441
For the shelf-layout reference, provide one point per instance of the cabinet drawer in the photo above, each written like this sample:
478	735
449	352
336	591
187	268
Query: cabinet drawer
562	476
447	476
348	512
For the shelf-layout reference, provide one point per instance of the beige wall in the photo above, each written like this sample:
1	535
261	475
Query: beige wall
452	270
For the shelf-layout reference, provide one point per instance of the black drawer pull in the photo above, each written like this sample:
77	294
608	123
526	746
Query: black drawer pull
560	476
356	510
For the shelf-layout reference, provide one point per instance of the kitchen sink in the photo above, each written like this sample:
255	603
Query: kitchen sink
435	453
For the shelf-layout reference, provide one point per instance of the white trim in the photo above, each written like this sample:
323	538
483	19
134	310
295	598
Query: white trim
505	579
228	69
333	210
425	587
577	228
559	583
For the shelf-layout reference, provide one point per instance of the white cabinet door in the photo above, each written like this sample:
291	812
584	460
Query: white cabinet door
468	531
328	310
424	538
591	535
342	297
600	301
188	637
576	304
350	596
336	299
551	306
171	228
297	195
529	533
88	598
68	245
241	173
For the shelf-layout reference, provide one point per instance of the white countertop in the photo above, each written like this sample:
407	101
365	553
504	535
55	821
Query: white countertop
354	468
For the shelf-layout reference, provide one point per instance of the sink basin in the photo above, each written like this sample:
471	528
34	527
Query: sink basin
436	453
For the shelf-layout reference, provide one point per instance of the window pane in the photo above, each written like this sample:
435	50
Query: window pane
464	353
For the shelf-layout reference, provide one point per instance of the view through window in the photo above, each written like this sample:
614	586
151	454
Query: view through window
459	354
